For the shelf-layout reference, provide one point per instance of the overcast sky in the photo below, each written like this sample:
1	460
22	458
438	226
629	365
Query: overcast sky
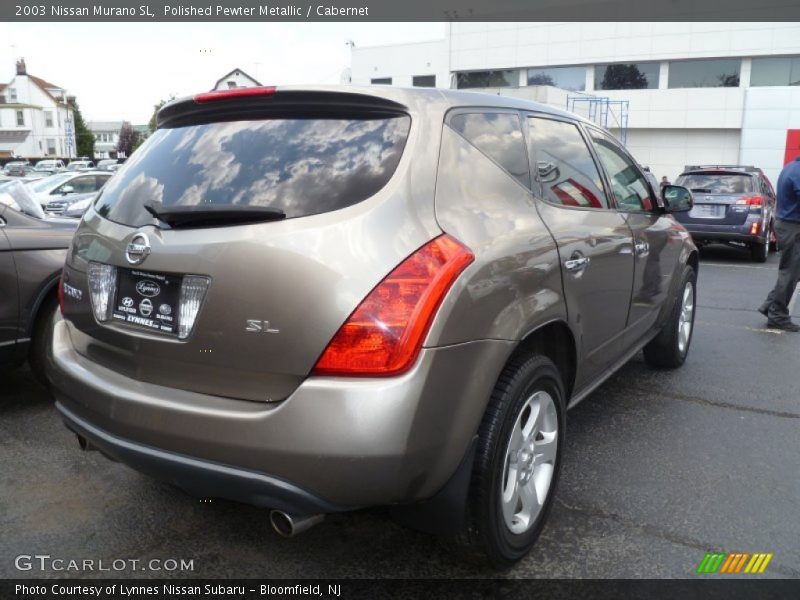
120	70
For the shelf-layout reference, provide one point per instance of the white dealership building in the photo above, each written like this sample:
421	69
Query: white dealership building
676	93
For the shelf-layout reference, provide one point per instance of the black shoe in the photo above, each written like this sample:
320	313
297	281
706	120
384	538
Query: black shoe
785	326
764	309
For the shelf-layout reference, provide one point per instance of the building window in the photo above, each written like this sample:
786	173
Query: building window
51	146
566	78
381	81
626	76
423	81
12	95
20	119
48	118
231	85
498	136
483	79
722	72
775	71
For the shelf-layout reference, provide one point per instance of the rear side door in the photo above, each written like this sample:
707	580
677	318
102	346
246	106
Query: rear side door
9	298
594	241
656	237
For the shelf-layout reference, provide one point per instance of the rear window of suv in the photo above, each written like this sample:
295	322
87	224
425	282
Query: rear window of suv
303	166
717	183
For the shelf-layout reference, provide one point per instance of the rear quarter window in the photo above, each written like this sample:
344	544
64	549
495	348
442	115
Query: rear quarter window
498	136
303	166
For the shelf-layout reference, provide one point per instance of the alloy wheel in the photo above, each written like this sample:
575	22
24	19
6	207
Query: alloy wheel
529	462
685	320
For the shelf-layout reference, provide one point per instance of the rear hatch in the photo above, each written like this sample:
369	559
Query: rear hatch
720	198
233	245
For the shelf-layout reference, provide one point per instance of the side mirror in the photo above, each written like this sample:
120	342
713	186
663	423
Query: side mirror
677	198
67	189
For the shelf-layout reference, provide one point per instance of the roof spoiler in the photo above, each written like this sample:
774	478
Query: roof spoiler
196	110
746	168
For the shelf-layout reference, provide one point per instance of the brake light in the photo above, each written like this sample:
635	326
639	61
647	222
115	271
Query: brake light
248	92
755	227
384	334
750	200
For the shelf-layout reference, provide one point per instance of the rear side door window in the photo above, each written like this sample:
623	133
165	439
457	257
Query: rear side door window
628	185
564	164
82	185
499	136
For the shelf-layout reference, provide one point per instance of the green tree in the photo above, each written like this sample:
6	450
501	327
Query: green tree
623	77
541	79
84	138
152	124
128	140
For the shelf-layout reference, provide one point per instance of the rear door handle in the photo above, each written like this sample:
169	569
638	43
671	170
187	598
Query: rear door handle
576	263
642	248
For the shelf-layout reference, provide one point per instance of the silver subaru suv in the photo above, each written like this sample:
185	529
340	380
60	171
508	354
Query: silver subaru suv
320	299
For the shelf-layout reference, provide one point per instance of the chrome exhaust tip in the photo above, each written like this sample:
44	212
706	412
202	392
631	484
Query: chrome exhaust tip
287	525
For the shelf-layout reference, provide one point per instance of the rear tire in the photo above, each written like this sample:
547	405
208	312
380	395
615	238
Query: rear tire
517	463
42	338
668	350
772	239
760	252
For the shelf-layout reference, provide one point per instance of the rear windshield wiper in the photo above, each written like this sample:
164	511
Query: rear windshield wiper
213	215
702	190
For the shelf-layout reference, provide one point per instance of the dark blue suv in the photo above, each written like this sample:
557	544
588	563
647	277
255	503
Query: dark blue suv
733	205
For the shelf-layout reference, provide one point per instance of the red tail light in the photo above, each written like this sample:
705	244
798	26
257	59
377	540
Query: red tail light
384	334
755	228
61	293
750	200
248	92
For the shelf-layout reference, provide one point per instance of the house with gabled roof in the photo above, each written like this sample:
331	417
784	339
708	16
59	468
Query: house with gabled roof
235	79
36	118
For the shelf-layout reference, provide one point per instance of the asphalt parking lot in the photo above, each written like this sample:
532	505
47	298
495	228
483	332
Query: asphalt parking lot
661	467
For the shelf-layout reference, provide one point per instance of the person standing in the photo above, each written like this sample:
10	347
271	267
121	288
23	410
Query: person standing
787	230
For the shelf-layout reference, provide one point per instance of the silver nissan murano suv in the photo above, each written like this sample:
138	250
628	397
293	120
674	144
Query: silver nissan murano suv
320	299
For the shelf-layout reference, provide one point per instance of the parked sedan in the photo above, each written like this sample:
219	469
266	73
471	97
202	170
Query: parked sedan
107	164
32	252
80	165
50	166
57	192
17	168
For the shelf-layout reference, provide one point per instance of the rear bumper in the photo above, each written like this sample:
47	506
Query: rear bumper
725	233
200	477
335	443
